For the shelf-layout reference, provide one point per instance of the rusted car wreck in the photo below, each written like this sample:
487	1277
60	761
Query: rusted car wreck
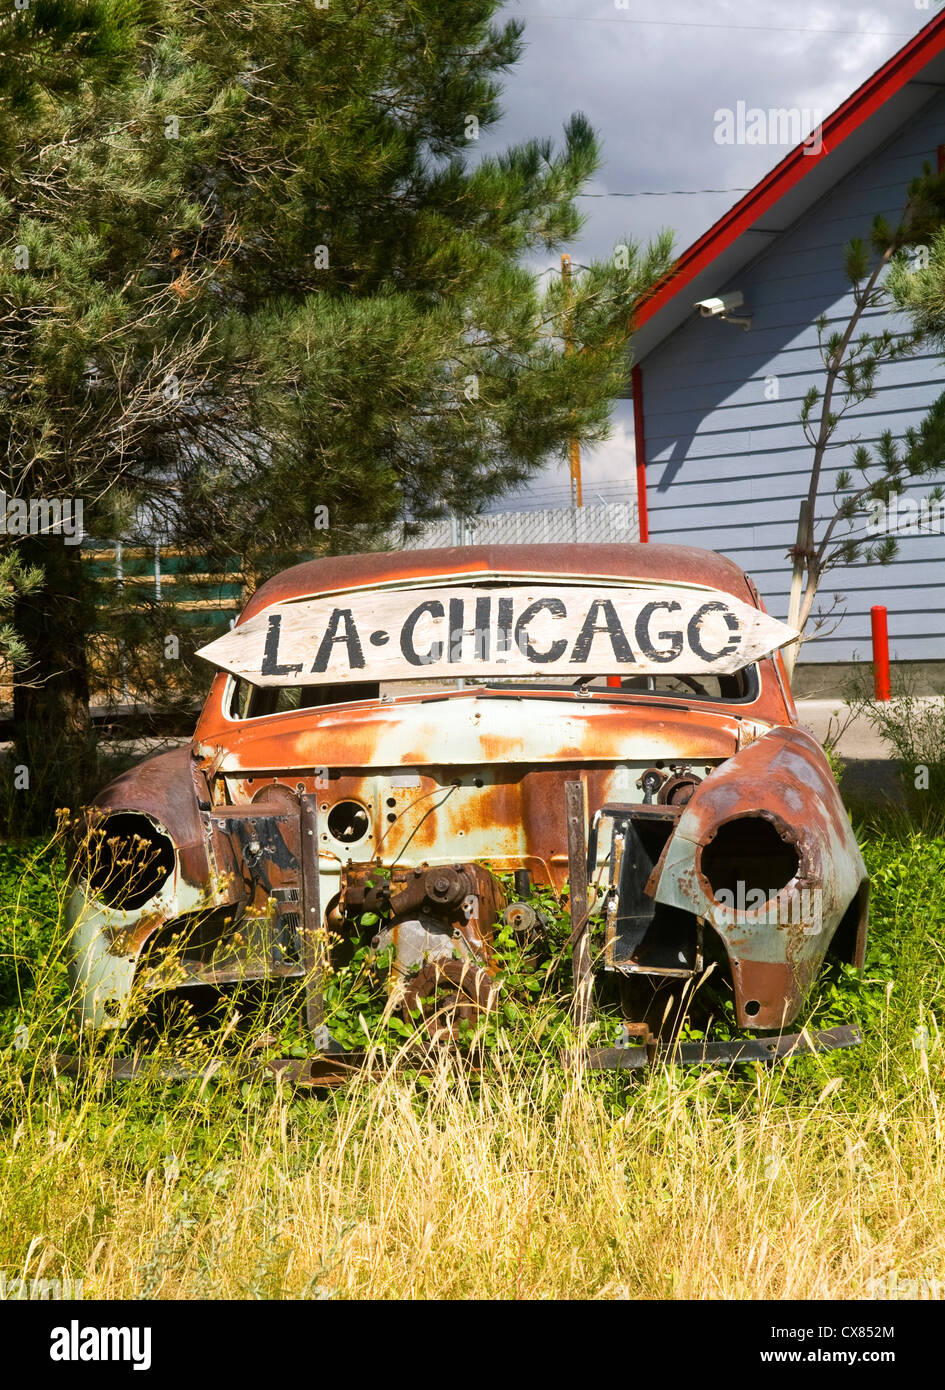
386	733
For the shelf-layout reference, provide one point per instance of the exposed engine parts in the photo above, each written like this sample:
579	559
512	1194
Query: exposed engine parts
668	791
427	914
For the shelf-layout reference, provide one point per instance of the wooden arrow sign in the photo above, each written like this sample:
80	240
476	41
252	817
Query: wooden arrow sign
533	629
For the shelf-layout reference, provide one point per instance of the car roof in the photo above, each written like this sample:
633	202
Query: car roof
667	564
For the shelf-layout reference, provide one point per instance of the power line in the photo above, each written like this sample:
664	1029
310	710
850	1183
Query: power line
664	193
700	24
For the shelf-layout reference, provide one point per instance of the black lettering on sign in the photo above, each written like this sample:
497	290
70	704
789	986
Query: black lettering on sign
270	661
612	626
483	623
456	630
503	636
350	637
693	631
557	610
480	631
645	642
435	610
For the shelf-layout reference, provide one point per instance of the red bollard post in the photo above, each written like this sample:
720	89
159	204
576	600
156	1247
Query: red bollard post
880	652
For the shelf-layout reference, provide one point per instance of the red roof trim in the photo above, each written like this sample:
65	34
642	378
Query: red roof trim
863	103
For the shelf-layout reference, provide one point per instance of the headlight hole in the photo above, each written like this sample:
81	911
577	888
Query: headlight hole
747	854
129	861
348	822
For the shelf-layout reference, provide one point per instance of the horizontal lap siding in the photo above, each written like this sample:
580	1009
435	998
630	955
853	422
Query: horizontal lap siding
726	468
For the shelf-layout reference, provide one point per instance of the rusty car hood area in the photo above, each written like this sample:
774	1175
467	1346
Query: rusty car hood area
473	727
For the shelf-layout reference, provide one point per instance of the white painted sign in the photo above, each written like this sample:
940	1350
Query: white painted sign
536	628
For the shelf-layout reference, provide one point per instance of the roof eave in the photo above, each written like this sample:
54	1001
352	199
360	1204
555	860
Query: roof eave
870	113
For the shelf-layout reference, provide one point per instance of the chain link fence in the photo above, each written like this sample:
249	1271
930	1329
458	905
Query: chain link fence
613	523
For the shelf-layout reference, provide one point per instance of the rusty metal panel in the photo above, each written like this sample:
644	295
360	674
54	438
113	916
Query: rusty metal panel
776	945
473	727
168	788
767	1050
642	563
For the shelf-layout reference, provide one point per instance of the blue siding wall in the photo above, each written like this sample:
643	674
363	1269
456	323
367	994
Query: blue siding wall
727	469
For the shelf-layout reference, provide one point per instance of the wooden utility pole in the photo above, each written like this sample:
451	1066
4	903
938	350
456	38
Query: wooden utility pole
577	497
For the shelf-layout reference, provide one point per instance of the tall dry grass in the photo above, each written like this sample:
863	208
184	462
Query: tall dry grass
513	1186
804	1180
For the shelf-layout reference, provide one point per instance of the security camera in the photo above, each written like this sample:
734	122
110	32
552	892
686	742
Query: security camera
720	308
711	308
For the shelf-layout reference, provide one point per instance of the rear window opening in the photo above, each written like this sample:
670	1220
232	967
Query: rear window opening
251	701
248	701
740	685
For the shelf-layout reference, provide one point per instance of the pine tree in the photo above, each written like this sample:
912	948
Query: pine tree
261	277
50	47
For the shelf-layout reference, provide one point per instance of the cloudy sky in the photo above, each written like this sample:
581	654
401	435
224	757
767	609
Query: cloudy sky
651	75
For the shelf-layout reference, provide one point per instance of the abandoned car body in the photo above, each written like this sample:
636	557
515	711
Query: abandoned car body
387	732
